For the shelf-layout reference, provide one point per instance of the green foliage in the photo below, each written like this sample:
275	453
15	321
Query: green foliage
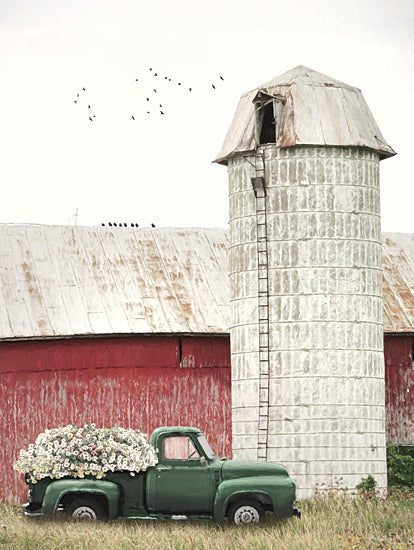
367	486
400	466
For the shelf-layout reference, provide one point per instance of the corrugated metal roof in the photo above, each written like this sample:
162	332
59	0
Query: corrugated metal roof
64	281
317	110
398	281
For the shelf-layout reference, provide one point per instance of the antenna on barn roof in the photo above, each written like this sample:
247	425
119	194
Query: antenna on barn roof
73	220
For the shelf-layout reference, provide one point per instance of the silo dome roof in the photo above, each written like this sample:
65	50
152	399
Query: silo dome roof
315	109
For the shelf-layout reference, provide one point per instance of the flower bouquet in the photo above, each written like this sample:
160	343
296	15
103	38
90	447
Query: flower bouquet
80	452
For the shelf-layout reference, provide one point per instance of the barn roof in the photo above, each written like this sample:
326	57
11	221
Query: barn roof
315	110
65	281
398	281
58	281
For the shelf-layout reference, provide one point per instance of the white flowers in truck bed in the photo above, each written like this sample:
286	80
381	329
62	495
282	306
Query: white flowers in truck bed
80	452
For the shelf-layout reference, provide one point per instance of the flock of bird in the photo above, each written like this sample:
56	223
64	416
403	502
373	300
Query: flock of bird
122	224
79	100
153	96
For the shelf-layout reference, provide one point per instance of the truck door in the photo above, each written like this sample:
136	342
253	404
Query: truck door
183	484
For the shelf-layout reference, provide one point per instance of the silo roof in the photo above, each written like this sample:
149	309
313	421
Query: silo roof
317	110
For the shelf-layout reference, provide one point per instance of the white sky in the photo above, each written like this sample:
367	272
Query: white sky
157	168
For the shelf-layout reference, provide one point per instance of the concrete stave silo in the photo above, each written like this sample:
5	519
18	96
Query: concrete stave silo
305	277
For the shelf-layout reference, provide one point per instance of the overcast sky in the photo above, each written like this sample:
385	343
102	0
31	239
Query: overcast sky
59	167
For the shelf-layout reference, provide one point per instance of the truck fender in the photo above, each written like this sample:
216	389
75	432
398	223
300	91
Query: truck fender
242	488
58	489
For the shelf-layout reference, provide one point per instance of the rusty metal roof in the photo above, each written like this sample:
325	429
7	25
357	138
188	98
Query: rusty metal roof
58	281
398	281
65	281
317	110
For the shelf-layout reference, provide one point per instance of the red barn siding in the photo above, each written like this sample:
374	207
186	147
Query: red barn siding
399	388
139	382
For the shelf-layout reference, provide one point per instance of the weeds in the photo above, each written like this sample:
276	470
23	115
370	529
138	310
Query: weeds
330	521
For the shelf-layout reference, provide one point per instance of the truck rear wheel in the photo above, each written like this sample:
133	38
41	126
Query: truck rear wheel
245	512
85	509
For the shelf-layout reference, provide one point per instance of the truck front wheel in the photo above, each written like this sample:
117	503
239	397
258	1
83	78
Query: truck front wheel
85	509
245	512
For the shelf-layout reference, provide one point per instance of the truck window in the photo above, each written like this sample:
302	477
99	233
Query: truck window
179	448
206	447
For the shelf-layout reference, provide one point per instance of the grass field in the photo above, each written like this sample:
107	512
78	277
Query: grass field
334	523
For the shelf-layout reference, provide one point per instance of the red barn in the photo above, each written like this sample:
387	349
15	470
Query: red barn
128	326
398	293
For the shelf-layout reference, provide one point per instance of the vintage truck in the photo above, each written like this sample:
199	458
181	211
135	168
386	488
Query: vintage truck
188	482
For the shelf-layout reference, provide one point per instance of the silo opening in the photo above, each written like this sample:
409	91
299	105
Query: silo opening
268	129
268	115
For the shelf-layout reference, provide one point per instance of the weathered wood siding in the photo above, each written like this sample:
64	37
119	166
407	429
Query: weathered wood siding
399	388
140	382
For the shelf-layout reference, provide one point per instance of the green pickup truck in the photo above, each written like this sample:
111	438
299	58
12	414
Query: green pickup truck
188	482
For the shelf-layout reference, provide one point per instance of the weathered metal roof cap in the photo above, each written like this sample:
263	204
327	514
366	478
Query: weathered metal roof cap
314	109
58	281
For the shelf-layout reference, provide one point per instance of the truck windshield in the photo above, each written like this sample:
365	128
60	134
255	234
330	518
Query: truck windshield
206	447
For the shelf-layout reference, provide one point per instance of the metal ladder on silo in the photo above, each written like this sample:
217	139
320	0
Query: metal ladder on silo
259	188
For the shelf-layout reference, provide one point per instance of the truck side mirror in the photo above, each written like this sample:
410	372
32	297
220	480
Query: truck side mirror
203	462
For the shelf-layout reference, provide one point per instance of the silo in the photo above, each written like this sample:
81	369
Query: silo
303	155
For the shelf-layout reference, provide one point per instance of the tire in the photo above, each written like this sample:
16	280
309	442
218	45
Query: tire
245	512
85	509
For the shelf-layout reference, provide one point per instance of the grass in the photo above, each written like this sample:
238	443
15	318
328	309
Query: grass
333	522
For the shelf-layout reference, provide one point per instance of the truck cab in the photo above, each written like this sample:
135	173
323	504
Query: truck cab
187	474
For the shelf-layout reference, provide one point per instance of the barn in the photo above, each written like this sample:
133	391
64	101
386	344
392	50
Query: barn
129	326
